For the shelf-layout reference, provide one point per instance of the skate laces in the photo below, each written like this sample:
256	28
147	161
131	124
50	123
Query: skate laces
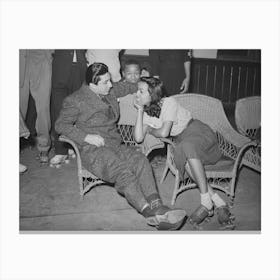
155	203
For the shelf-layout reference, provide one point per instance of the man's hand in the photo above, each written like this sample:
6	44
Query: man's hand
95	139
185	86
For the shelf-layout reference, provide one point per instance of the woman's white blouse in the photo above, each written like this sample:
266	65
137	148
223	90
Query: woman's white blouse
171	111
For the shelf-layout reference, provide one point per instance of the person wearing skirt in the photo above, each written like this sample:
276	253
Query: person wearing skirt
196	144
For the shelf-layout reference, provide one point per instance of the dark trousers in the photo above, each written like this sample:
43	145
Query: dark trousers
128	169
59	92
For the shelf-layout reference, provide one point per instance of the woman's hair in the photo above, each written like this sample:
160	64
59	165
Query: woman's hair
94	71
157	92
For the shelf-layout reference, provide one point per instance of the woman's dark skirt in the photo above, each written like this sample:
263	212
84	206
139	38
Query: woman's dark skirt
196	141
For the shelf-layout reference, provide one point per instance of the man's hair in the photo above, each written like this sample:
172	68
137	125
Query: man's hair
94	71
157	92
131	62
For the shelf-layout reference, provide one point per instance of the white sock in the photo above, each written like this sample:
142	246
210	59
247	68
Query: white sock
206	200
218	201
144	207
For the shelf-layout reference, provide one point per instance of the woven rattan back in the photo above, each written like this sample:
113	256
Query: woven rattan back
248	115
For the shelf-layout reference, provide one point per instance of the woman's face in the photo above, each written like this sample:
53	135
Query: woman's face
143	96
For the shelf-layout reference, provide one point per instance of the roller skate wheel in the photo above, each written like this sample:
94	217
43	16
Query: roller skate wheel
67	161
228	226
207	220
71	153
232	218
57	166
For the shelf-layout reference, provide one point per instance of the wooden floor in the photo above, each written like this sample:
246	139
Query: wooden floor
50	201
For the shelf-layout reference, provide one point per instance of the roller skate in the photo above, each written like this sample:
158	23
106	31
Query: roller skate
43	157
200	215
225	218
58	160
162	217
71	153
22	168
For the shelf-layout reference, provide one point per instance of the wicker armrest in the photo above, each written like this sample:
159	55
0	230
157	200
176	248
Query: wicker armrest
168	141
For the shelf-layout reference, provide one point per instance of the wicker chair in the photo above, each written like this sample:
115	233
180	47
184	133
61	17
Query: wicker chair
248	123
248	116
233	145
88	180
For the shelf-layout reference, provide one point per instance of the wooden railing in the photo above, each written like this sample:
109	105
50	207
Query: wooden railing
226	80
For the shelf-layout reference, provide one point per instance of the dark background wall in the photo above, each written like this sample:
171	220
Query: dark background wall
234	74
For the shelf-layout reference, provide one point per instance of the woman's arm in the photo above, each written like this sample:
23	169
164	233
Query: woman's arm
140	129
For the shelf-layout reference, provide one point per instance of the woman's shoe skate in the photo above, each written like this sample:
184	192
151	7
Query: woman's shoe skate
225	218
201	214
58	160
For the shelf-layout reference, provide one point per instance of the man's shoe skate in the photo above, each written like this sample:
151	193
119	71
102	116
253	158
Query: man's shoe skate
201	214
162	217
225	218
58	160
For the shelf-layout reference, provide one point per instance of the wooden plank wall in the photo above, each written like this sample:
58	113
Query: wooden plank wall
225	80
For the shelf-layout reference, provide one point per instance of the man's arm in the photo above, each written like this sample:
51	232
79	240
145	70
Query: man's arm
123	88
65	123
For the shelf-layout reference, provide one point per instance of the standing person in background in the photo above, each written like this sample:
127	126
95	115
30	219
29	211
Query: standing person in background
110	57
23	132
173	67
35	79
69	68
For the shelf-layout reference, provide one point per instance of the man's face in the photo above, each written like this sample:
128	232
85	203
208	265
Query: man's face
131	73
104	85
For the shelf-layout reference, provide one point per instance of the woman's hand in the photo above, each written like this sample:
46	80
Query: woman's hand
137	104
95	139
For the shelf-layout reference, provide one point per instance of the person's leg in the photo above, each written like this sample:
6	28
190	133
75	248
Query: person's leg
155	212
112	166
41	94
105	163
196	171
198	175
140	166
225	218
24	87
58	94
202	183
